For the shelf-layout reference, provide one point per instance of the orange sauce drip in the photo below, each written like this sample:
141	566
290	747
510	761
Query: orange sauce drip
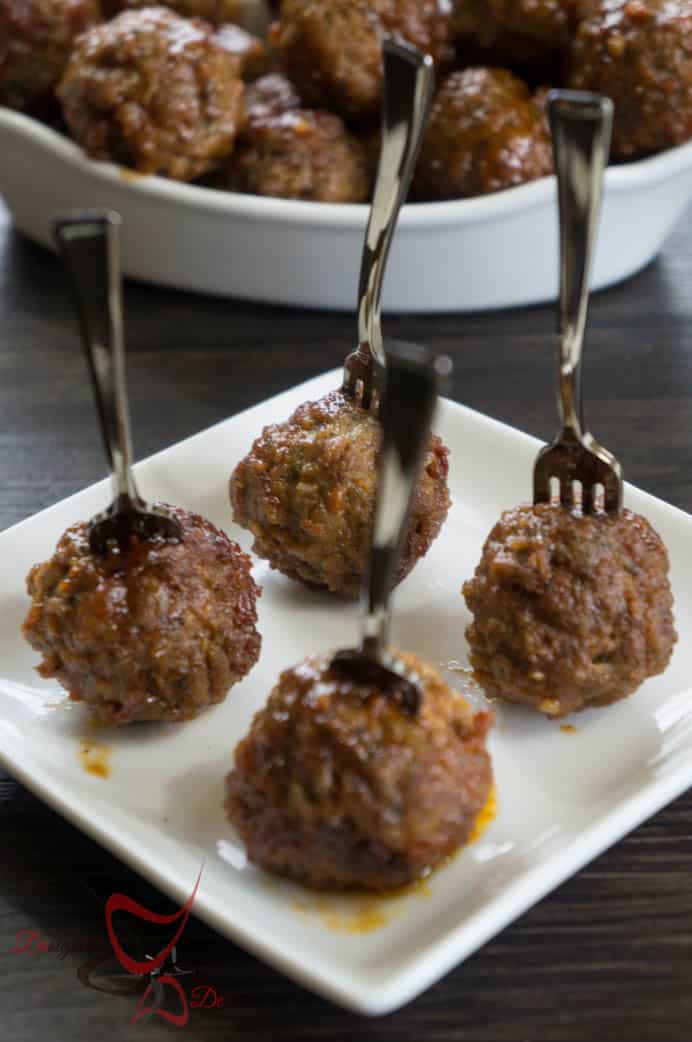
130	175
362	914
485	816
568	729
365	916
94	758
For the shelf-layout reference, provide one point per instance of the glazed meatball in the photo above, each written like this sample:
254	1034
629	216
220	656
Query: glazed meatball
307	491
639	53
485	133
155	92
270	96
569	612
337	787
249	50
425	23
158	632
215	11
332	49
490	21
300	154
35	40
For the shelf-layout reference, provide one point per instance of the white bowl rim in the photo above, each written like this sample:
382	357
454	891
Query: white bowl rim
625	177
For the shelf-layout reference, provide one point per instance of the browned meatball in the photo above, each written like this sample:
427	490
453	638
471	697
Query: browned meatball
270	96
307	489
569	612
155	92
485	133
337	787
35	40
215	11
425	23
158	632
639	53
490	21
300	154
248	49
332	49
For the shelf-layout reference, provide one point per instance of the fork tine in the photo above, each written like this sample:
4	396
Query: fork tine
541	481
612	494
581	125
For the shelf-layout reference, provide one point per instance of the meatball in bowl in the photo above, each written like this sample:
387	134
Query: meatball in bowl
155	92
36	37
485	133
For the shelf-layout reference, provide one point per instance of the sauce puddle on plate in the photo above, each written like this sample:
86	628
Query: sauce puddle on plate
95	757
568	729
359	914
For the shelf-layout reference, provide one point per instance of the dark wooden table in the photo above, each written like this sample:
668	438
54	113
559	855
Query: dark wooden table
609	955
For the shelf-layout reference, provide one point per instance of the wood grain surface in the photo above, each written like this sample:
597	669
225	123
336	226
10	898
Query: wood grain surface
608	956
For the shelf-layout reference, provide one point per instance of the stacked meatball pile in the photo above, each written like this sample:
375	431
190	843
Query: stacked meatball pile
165	89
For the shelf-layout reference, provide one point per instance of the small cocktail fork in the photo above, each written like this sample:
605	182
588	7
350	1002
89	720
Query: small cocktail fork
407	93
589	478
90	246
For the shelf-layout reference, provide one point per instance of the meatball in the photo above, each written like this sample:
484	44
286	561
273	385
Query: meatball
491	21
639	53
337	787
249	50
215	11
270	96
332	49
569	612
425	23
307	490
35	40
300	154
155	92
158	632
485	133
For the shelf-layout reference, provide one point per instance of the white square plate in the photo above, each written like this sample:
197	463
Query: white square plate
563	797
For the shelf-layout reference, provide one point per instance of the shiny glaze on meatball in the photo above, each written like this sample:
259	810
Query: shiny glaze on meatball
155	92
158	632
639	53
36	37
217	12
490	21
484	134
336	787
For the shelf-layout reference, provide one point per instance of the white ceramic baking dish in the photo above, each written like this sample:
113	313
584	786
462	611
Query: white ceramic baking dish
490	252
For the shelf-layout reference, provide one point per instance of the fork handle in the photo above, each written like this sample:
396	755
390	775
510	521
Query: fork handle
581	125
407	93
411	384
89	243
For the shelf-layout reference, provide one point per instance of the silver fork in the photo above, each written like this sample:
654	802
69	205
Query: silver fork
411	385
90	246
407	93
589	477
